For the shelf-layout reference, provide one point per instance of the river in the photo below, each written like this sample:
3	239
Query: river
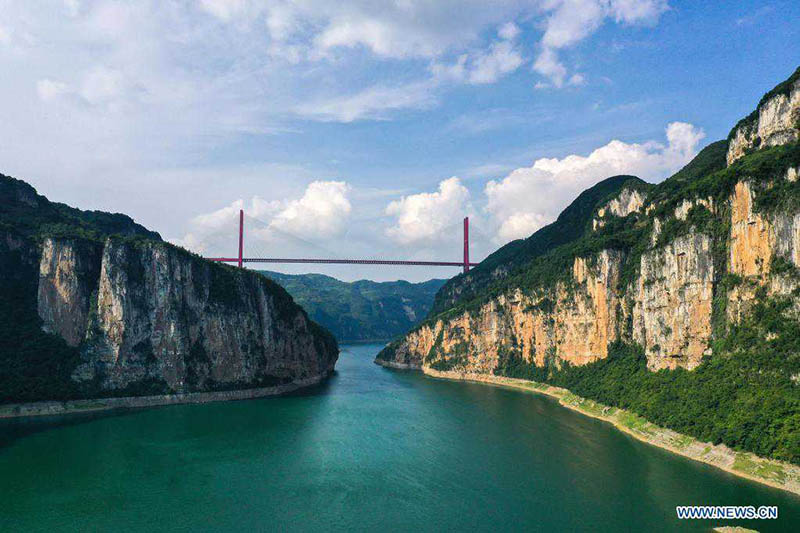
372	449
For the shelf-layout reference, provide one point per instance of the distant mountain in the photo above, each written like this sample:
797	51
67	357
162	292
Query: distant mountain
361	310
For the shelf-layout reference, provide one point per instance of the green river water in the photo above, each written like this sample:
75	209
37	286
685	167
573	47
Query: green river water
371	449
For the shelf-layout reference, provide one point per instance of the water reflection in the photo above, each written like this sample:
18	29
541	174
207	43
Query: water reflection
370	449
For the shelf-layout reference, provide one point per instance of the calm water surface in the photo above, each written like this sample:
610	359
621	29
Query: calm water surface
371	449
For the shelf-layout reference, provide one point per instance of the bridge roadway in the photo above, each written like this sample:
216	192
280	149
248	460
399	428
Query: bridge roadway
240	260
340	261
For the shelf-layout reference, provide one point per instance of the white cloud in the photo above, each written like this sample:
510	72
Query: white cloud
520	225
101	85
485	66
548	65
508	31
577	79
371	103
181	91
320	213
50	89
530	197
421	217
73	7
638	11
569	22
501	58
220	225
224	9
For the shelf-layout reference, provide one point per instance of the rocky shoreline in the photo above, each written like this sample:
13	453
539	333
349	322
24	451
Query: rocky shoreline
132	402
777	474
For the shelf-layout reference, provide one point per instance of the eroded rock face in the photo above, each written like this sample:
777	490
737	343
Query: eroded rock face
696	256
574	322
672	307
68	271
587	313
682	211
777	122
667	309
750	249
628	201
755	239
147	313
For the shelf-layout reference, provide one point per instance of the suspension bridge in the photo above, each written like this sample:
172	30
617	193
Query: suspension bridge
240	260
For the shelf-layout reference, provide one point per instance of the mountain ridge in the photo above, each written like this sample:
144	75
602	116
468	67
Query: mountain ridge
361	310
679	302
95	305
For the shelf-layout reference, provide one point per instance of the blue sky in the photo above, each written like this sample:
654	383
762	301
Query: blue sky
366	128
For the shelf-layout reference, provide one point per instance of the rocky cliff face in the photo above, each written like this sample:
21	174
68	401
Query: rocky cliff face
627	202
148	313
775	121
139	316
572	321
672	302
662	268
757	242
667	308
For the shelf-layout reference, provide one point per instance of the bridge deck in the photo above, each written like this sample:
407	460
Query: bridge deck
339	261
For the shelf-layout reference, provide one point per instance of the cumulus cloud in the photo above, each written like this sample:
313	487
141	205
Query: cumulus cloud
530	197
419	218
501	58
485	66
568	22
548	65
189	86
321	212
220	225
508	31
519	225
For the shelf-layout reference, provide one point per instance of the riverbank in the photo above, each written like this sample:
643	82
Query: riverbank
132	402
777	474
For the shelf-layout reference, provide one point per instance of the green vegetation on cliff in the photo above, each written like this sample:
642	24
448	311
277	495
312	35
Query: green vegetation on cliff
362	310
783	88
37	365
516	258
33	364
33	215
745	396
745	392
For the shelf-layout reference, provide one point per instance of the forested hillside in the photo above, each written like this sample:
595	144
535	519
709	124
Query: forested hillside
94	305
361	310
679	301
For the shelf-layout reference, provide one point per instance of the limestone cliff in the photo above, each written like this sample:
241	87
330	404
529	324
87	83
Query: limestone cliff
775	121
134	315
667	310
667	267
672	302
678	301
